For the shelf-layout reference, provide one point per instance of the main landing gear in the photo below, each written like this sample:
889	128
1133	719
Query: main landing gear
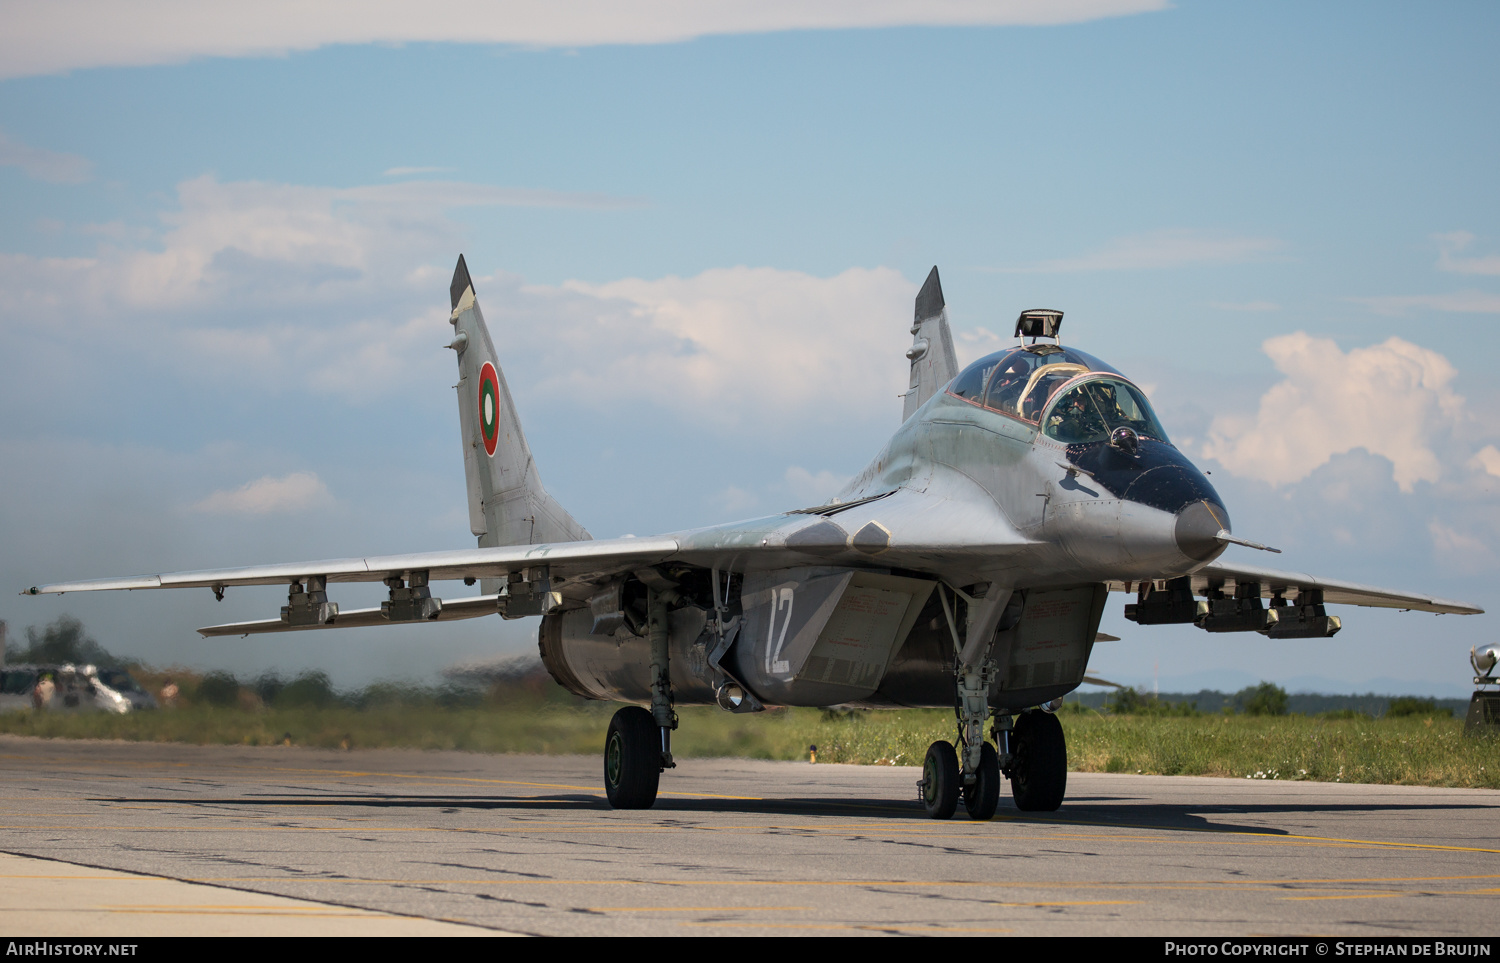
1036	765
1031	752
639	744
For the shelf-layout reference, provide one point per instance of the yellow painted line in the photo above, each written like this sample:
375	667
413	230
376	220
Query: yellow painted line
1263	839
359	773
1371	842
1371	879
1277	885
1352	896
689	909
1213	831
1093	902
878	927
308	910
872	830
121	876
471	780
267	911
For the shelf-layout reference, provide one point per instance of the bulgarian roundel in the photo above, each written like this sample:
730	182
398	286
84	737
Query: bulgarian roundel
489	407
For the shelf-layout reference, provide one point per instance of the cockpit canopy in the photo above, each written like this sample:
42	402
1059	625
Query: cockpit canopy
1021	382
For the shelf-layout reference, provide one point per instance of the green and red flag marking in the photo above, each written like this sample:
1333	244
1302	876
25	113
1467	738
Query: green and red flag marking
489	407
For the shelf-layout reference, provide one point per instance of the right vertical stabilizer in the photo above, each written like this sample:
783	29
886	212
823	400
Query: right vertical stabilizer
933	363
507	503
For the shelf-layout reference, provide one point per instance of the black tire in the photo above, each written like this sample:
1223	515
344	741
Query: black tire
1039	767
632	759
940	781
982	797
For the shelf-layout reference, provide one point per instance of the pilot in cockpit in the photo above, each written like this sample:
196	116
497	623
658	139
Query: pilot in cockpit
1007	384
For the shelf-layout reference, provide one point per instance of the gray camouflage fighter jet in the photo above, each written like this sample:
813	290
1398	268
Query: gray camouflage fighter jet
967	566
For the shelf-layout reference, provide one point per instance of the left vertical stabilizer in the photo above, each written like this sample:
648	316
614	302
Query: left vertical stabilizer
507	503
933	364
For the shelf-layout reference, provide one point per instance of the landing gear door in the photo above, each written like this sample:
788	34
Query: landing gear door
1047	651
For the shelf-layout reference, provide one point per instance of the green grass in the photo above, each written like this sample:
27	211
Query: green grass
1407	750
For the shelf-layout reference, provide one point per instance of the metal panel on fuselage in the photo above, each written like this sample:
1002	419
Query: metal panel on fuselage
817	637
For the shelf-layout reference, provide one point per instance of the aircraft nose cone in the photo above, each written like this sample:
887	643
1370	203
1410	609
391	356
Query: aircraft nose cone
1197	526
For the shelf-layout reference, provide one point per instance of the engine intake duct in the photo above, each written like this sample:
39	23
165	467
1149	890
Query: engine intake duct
1173	604
1305	620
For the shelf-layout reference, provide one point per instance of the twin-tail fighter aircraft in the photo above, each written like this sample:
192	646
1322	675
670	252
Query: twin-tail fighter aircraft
967	566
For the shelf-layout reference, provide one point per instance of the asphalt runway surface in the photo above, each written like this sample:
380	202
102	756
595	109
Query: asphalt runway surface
141	839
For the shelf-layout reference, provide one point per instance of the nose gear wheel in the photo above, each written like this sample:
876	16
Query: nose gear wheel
940	780
1039	762
982	796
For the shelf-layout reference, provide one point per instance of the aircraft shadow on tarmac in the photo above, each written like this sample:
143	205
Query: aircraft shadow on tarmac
1098	811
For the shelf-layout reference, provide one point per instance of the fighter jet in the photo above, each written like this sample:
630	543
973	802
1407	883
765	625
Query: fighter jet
966	567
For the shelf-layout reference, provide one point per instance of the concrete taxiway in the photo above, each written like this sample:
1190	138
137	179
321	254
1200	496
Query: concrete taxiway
142	839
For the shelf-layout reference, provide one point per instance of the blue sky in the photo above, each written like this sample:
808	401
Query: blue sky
696	232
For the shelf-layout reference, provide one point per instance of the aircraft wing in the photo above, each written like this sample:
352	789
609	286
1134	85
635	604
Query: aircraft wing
1334	591
572	560
849	530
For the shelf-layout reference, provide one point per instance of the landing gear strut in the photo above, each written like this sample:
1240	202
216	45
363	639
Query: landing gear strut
1032	753
976	777
639	744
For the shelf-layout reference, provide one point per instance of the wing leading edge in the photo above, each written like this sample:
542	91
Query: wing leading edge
1293	584
567	559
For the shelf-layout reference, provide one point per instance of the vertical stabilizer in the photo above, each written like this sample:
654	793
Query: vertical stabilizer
931	353
507	504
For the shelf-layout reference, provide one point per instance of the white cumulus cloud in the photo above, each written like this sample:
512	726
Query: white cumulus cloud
1452	545
344	292
296	492
1390	399
813	489
264	244
43	165
732	345
52	36
1487	460
1452	258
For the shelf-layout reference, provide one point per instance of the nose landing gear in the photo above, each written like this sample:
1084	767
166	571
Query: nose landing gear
1036	765
1038	769
982	796
940	783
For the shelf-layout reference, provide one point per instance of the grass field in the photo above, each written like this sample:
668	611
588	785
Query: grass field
1410	751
